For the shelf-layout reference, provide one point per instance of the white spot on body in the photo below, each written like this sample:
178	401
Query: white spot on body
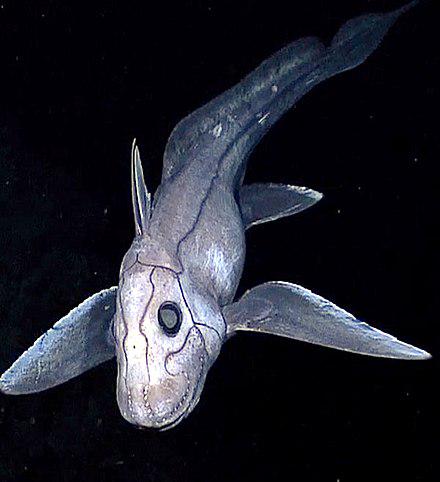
274	89
217	130
263	119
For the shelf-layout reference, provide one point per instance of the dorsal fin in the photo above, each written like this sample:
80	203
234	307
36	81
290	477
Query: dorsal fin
140	196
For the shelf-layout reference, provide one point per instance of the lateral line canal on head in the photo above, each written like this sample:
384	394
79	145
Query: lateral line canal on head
125	334
192	316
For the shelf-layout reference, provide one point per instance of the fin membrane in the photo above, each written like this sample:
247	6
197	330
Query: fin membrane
76	343
261	203
291	311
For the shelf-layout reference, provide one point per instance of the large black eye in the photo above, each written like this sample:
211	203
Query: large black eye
170	317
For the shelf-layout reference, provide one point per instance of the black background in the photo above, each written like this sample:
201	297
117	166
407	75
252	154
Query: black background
77	82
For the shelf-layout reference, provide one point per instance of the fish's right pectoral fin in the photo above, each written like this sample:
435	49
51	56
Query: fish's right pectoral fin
264	202
76	343
291	311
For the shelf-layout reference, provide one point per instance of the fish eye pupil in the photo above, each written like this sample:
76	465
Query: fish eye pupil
170	318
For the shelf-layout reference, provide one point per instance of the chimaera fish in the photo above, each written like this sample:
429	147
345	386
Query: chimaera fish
174	305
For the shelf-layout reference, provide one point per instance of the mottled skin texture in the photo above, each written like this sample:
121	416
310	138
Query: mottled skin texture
174	306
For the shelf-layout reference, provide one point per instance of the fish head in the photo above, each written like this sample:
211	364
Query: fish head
162	352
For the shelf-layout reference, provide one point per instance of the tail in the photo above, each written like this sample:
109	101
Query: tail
229	127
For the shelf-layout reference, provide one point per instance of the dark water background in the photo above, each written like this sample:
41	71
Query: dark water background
77	82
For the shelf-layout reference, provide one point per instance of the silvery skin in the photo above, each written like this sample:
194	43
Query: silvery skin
174	307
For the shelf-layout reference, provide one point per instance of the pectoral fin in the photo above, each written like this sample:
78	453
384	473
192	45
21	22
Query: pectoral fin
261	203
291	311
76	343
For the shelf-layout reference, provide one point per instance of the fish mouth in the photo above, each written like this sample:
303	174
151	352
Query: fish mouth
136	406
174	414
167	426
161	401
161	428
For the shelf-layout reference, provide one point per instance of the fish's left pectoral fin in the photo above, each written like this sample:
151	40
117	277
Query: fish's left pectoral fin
79	341
261	203
291	311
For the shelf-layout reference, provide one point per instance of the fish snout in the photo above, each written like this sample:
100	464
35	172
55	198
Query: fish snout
156	405
166	401
162	398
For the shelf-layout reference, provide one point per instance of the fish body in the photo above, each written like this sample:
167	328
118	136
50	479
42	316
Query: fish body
174	305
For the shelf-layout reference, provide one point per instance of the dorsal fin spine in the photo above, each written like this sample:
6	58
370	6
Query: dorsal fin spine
140	196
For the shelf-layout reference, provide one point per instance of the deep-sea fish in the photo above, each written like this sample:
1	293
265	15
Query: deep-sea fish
174	307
